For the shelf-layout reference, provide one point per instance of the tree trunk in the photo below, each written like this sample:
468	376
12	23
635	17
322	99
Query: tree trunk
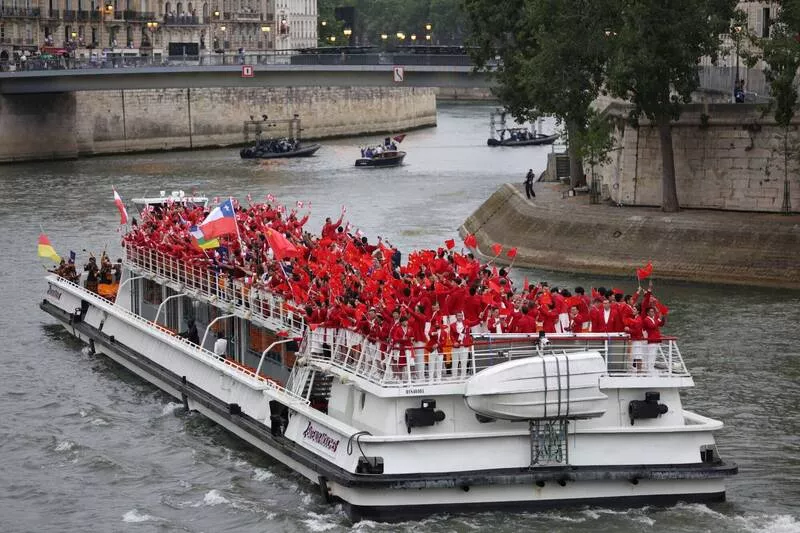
669	190
576	176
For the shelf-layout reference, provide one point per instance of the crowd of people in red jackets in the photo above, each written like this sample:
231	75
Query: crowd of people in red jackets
398	320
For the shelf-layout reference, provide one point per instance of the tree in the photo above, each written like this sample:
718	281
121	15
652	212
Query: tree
781	53
658	47
552	58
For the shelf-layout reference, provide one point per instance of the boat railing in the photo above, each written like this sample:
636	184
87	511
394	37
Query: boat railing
181	343
350	352
251	300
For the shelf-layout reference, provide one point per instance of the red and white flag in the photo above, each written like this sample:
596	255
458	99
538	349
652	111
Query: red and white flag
123	213
299	204
270	198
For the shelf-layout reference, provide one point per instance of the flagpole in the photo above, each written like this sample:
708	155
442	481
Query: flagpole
236	222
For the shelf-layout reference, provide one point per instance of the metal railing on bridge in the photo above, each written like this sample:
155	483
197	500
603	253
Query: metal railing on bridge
114	60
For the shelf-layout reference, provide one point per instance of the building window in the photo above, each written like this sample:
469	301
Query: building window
765	22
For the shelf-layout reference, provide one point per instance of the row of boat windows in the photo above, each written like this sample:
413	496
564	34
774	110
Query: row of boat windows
177	313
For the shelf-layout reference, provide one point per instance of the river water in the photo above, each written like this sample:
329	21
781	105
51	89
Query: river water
85	445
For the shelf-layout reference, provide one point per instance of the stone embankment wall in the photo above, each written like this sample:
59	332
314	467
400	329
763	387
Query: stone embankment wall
569	234
727	156
70	125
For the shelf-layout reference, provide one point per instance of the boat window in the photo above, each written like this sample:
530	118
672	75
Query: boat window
363	400
151	292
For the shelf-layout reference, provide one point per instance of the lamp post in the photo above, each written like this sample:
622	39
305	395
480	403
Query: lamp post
265	31
152	27
428	32
736	85
347	33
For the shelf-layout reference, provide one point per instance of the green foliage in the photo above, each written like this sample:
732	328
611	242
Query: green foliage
658	48
552	58
596	141
781	53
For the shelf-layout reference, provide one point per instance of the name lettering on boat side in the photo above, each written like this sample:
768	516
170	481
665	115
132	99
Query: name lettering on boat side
326	442
417	390
51	291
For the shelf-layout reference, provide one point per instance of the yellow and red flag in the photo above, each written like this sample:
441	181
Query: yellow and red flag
46	249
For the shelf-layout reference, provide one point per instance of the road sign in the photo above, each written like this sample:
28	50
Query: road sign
398	74
247	71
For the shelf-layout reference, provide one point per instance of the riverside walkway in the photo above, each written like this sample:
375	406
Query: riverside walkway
555	231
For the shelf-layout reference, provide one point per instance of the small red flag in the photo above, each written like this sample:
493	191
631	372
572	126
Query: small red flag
497	248
470	241
644	273
663	309
450	243
526	284
512	253
399	138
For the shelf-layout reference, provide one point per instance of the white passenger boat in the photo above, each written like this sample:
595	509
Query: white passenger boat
176	197
533	424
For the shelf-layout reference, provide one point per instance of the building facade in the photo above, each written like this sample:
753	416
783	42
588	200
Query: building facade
165	27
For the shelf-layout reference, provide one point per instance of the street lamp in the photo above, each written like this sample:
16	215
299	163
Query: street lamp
428	26
384	36
324	23
332	38
265	30
152	26
413	36
428	37
401	35
737	87
348	32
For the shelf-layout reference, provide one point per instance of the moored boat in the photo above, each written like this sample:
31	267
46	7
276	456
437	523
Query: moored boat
264	151
528	139
528	421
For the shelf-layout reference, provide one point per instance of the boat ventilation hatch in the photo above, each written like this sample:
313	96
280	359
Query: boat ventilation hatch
427	415
369	465
649	408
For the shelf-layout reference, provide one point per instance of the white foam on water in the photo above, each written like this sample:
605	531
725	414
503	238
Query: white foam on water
262	474
769	523
83	413
169	408
99	422
700	509
318	522
308	499
65	446
364	524
646	520
213	497
134	516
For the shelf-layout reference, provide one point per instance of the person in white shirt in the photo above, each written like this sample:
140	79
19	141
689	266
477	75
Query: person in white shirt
221	345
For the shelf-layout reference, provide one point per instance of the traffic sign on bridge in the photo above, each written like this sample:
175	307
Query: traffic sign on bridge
247	71
398	73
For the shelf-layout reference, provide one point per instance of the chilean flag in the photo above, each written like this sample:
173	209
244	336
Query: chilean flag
221	221
123	213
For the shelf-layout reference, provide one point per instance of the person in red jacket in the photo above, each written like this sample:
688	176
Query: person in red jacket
576	320
462	342
417	322
403	350
634	328
651	325
605	318
525	323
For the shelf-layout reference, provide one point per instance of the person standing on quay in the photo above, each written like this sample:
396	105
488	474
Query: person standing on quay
529	184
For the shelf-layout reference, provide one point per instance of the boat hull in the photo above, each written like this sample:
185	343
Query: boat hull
307	151
538	141
381	162
202	386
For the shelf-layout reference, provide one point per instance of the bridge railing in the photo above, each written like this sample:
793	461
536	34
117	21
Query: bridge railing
249	58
